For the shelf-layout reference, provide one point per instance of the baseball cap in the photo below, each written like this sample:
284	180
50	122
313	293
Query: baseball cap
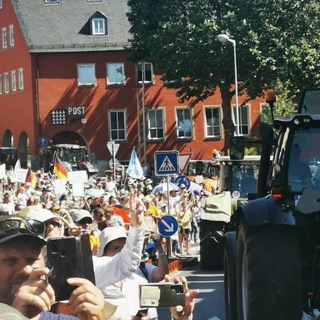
79	214
109	234
14	226
38	213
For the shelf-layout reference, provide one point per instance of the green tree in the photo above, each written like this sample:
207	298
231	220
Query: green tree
275	41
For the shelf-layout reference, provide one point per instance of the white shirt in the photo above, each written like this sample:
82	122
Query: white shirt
109	270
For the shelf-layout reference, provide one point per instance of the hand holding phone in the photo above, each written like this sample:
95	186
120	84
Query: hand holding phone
161	295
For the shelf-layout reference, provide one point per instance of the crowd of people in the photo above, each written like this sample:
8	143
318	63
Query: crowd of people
127	250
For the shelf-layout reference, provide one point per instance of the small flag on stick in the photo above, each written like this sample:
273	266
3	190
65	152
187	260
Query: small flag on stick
134	169
60	170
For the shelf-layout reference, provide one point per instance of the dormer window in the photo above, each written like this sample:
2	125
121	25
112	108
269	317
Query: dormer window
98	26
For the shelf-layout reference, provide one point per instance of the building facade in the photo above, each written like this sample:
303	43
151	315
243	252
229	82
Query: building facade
65	77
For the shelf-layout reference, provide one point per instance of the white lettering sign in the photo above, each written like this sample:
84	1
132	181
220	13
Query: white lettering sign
21	175
80	176
76	110
2	171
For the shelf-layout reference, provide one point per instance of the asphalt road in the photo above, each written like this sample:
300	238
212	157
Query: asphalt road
210	301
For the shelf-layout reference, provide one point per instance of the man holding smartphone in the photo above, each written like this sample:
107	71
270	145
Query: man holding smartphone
23	276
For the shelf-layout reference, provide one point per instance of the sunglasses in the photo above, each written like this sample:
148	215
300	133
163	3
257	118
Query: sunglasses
10	226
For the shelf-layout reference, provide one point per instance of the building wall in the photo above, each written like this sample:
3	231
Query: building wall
18	108
58	90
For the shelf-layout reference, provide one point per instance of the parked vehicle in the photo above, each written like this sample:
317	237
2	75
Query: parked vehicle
237	181
272	257
73	156
9	156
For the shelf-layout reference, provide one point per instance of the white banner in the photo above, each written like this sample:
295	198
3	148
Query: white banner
78	189
75	177
21	175
2	171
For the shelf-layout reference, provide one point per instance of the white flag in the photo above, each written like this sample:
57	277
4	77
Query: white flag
134	169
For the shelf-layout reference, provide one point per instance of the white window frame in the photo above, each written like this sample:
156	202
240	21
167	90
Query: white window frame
181	123
115	74
6	83
13	77
244	118
20	79
0	84
157	125
1	4
4	38
98	26
88	68
11	35
117	130
149	76
214	123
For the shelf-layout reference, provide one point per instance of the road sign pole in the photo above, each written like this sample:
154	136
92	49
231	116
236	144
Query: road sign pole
168	239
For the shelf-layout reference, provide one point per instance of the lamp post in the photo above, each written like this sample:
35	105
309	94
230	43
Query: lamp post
223	38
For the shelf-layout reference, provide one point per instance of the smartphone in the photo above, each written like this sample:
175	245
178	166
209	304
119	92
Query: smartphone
161	295
68	257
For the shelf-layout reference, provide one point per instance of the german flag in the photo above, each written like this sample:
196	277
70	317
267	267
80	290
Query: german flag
59	169
31	178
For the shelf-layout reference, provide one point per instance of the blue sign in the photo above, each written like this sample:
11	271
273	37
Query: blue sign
166	163
179	180
42	141
168	226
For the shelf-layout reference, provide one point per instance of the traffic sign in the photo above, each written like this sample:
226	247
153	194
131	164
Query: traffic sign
179	180
184	161
42	141
166	163
113	147
168	226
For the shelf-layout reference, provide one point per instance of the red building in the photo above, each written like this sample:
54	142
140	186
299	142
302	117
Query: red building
65	76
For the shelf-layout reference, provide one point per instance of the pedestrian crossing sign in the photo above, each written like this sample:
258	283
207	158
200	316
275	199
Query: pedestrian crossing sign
166	163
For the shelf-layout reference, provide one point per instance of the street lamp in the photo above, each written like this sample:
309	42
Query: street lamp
223	38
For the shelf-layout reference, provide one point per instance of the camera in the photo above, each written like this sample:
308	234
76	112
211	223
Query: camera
161	295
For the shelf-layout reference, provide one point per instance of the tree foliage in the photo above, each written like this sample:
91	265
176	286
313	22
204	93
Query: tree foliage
276	41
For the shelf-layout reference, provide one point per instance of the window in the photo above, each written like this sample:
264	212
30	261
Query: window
13	81
51	1
4	37
0	84
184	124
11	35
20	79
145	69
156	128
212	122
115	73
94	0
243	118
265	113
117	125
0	4
86	75
5	82
98	26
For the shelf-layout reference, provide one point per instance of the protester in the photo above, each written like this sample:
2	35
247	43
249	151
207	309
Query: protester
112	241
23	276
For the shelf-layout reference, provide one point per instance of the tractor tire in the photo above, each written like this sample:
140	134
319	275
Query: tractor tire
230	284
211	246
269	273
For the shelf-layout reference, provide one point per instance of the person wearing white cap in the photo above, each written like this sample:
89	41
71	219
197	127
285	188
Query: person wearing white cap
112	240
112	269
54	224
